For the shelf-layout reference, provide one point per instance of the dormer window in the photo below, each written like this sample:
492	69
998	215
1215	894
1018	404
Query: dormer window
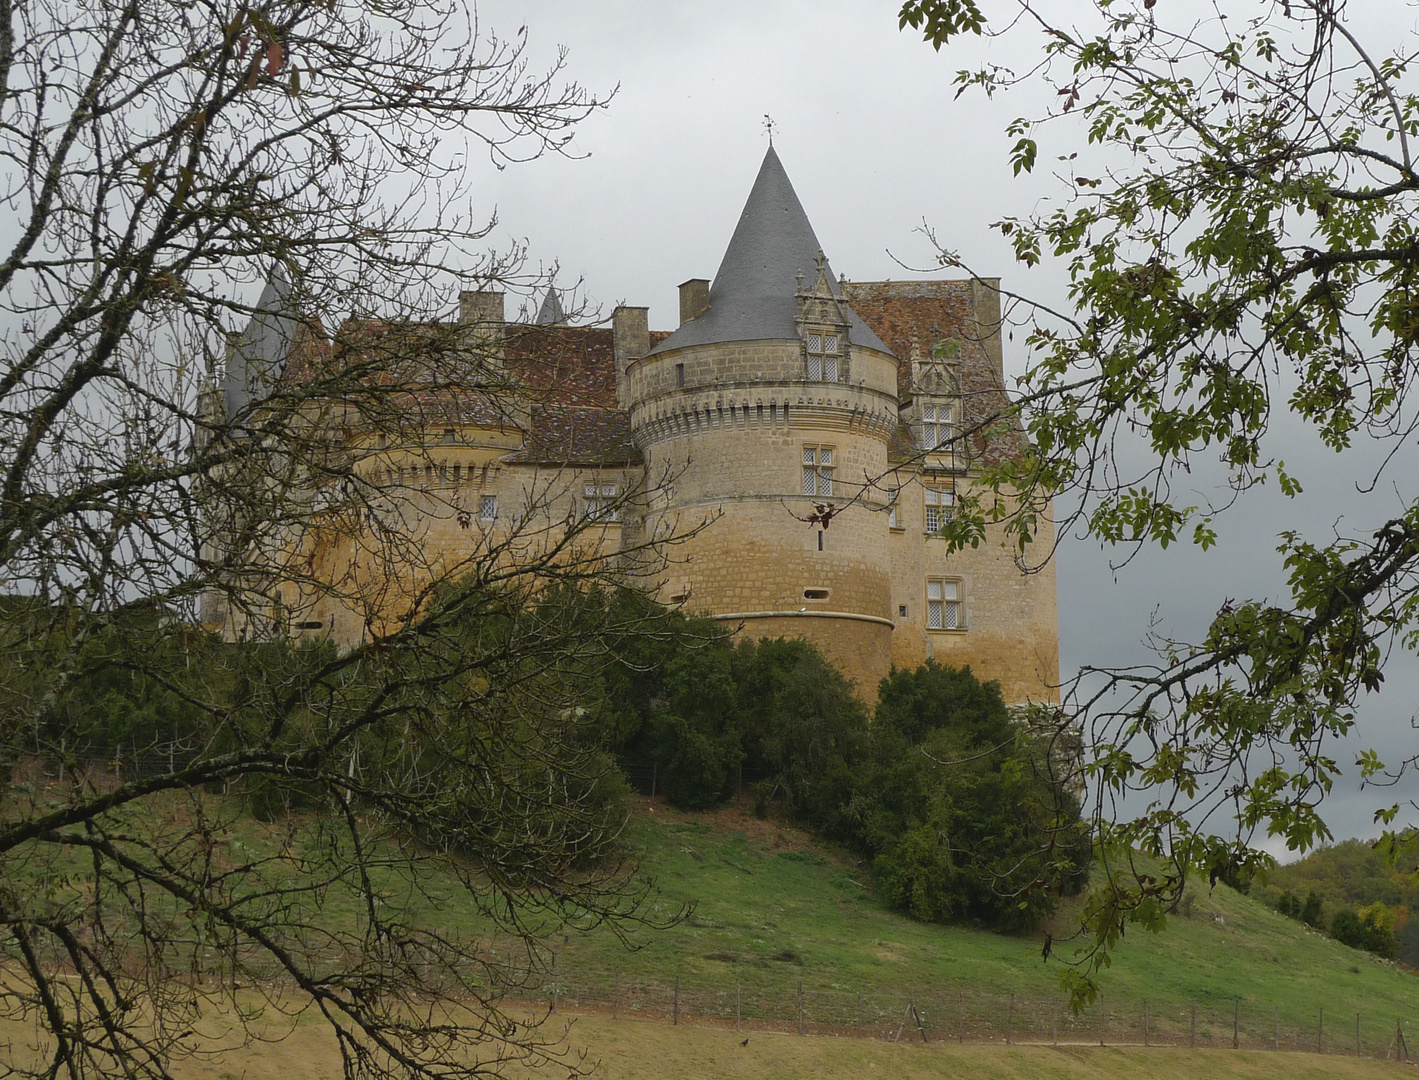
937	426
823	355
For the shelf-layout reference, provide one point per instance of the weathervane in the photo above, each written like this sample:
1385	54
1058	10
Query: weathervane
769	126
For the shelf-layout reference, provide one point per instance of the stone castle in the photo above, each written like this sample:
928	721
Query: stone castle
820	430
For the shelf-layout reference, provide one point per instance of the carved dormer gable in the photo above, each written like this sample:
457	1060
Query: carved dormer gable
934	410
823	323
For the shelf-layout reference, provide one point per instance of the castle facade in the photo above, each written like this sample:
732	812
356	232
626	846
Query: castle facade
814	433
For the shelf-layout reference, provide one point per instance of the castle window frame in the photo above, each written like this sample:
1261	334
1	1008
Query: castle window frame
893	518
824	351
599	503
939	503
487	508
818	467
945	604
938	425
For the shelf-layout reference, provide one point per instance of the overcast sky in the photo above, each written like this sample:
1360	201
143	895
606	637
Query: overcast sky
877	144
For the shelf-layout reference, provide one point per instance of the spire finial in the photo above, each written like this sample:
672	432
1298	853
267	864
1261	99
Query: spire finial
769	126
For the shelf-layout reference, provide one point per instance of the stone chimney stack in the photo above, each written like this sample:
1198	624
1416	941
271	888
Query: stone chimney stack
630	333
480	306
694	299
481	313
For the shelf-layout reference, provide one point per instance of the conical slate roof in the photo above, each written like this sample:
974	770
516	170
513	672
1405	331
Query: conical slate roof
550	313
772	254
261	351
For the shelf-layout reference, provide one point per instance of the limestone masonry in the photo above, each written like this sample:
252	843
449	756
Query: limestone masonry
815	432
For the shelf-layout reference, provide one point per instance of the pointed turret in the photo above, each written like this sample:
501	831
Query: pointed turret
772	252
261	350
550	313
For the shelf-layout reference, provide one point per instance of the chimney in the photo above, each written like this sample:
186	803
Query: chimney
480	313
694	299
630	334
480	306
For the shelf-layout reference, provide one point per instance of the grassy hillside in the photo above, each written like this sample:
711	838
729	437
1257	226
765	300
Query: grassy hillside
771	911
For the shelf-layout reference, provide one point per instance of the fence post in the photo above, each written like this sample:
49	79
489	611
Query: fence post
857	1019
554	983
1320	1032
1010	1022
737	1012
1192	1029
1236	1022
961	1031
1054	1027
1145	1021
676	1021
615	992
1276	1038
800	1006
1357	1034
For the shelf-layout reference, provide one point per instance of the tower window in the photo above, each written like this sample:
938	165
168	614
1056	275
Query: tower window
488	508
679	374
448	435
818	470
943	604
822	356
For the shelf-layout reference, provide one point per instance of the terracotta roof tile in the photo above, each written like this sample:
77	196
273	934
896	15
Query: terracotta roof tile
913	317
561	435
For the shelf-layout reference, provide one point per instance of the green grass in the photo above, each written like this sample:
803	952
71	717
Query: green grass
771	910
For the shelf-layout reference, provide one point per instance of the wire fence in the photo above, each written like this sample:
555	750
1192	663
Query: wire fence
970	1017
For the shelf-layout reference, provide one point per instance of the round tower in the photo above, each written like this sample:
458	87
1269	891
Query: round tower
766	416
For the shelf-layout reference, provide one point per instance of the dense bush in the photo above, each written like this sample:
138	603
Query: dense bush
945	794
1369	929
959	809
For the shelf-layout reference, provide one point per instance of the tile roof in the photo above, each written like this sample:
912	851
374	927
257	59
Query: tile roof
913	317
561	435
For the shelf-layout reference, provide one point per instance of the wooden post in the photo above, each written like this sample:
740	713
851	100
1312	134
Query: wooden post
1320	1032
737	1013
800	1007
615	993
857	1020
1397	1048
1054	1027
961	1031
1145	1021
676	1021
1236	1022
1192	1030
1357	1034
921	1027
1010	1022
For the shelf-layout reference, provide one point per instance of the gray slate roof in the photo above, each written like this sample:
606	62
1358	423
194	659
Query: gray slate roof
754	295
550	314
255	361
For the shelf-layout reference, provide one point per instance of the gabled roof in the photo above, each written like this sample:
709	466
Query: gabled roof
771	256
